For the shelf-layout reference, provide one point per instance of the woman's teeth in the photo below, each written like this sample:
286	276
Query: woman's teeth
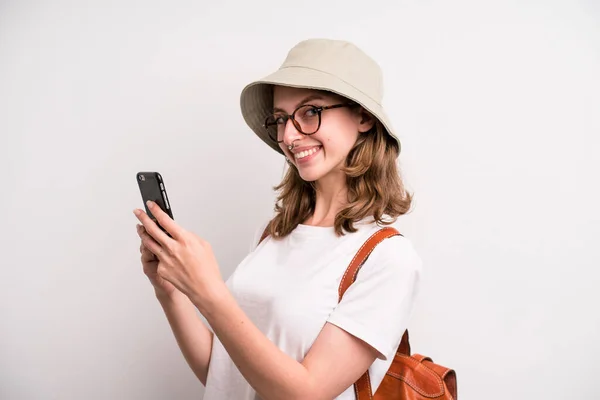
306	153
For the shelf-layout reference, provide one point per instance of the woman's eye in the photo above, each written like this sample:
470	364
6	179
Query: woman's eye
310	112
276	120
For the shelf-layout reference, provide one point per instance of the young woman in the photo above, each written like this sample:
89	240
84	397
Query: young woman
278	330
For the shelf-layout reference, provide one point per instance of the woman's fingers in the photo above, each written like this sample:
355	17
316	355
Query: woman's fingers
147	255
165	221
149	247
153	230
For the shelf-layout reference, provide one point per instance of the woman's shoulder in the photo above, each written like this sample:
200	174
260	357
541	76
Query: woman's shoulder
397	251
399	248
259	231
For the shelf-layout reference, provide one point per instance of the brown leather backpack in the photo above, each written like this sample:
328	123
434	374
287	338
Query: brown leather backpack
410	377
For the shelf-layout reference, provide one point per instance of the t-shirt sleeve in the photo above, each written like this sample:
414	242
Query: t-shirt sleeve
377	307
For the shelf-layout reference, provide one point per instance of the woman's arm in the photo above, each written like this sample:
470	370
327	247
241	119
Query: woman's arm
193	337
335	361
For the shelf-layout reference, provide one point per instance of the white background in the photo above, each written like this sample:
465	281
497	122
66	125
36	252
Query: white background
498	109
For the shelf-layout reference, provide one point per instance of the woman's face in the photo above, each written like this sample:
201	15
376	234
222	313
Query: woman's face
325	151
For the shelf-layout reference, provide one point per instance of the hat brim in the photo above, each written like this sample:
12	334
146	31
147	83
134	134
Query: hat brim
256	99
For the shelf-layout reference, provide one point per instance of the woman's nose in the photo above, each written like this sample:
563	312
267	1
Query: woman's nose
291	133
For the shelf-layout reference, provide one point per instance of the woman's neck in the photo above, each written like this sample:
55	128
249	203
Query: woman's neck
331	197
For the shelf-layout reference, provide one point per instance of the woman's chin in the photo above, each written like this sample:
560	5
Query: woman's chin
309	174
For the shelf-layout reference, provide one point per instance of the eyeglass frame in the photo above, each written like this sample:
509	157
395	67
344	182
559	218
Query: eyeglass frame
319	110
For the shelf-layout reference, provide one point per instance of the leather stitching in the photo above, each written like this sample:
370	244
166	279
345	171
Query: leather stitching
385	233
414	385
369	253
369	385
352	262
367	242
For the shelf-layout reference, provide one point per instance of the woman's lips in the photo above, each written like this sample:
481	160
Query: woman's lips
307	155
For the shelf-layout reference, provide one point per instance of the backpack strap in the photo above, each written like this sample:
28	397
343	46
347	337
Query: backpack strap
362	387
361	256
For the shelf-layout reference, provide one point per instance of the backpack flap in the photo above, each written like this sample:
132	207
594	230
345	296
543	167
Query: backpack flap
422	376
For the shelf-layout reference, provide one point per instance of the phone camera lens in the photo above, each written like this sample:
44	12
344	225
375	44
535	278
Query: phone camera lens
142	177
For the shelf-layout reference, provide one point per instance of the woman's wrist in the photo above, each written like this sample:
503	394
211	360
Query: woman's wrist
166	298
206	301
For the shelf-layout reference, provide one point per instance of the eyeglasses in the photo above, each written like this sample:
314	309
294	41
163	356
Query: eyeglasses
306	119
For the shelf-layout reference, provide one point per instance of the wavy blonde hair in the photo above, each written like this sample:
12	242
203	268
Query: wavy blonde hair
373	179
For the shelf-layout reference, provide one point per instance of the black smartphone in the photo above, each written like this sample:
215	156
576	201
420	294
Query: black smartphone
152	187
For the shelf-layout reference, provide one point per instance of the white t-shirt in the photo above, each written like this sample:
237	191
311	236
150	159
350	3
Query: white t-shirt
289	289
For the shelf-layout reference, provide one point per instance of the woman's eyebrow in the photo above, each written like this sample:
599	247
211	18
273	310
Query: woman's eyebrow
304	101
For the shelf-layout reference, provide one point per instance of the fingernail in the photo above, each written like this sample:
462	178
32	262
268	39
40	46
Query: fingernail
136	211
150	204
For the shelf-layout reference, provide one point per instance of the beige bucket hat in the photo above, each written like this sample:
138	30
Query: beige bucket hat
333	65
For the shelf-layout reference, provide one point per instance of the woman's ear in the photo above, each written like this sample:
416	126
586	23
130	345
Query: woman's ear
366	121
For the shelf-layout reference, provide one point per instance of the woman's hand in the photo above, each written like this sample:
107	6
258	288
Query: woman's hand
184	260
162	287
